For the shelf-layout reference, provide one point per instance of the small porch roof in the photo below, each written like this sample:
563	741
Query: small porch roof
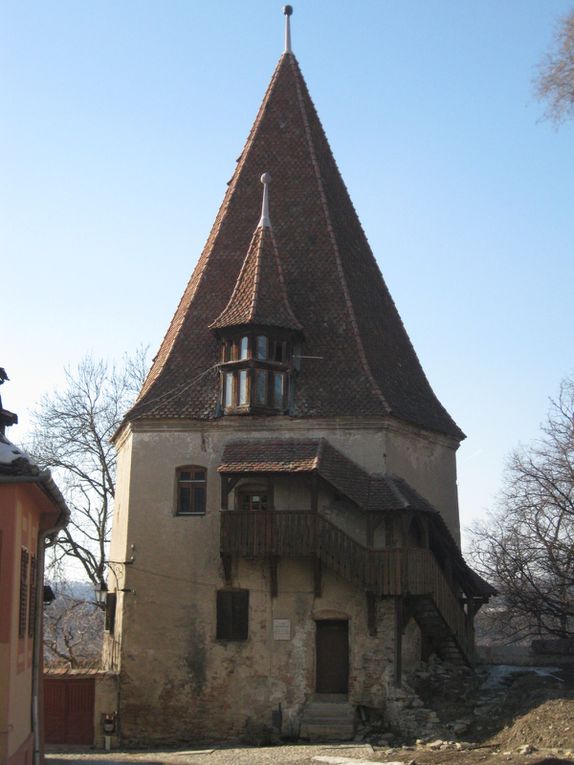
371	492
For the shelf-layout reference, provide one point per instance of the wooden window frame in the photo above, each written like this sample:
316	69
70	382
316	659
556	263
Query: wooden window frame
253	492
232	615
189	481
234	365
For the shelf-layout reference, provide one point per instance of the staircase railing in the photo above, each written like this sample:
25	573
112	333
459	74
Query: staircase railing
425	577
389	571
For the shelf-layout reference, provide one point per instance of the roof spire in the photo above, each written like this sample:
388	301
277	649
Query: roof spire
265	221
288	10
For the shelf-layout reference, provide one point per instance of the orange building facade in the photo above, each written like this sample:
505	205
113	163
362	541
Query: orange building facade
31	510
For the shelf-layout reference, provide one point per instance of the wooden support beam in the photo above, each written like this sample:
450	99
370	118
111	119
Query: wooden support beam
315	493
273	571
317	577
370	529
398	641
371	613
224	493
227	561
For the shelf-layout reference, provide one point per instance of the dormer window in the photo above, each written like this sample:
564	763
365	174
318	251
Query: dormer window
255	372
261	345
257	330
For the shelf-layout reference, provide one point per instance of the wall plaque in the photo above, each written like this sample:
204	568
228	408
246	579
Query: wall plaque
281	629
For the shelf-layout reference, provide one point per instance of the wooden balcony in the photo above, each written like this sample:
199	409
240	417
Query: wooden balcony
402	572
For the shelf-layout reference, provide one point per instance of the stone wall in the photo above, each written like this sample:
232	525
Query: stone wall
178	682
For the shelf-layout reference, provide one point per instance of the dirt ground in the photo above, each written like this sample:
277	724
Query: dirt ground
498	716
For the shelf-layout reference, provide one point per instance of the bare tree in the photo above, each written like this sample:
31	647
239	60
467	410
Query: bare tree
555	80
72	431
73	630
526	547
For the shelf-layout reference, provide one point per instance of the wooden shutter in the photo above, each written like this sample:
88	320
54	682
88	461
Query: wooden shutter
33	598
232	614
23	613
111	599
240	614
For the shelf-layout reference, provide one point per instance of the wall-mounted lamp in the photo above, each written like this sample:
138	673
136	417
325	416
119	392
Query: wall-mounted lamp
101	592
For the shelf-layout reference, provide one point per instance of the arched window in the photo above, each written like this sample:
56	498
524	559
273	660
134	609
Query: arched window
191	488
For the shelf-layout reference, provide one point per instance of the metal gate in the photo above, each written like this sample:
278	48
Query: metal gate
69	710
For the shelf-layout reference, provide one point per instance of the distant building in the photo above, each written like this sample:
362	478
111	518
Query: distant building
287	477
31	509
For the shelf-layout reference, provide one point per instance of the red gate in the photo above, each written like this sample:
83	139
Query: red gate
69	710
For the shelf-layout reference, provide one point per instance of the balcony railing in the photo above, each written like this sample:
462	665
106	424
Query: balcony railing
388	571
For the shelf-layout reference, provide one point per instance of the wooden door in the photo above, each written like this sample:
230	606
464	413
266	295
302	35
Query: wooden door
332	656
69	710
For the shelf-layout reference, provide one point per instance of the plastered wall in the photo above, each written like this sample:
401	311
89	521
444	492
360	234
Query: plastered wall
179	683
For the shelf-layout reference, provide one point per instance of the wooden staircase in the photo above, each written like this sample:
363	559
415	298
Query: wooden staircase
411	573
432	625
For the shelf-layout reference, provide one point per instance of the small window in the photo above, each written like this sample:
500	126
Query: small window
191	486
229	390
232	614
23	612
253	500
278	390
280	351
261	387
243	392
261	348
244	348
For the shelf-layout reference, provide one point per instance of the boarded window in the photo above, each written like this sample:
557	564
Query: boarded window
23	613
111	599
232	614
191	490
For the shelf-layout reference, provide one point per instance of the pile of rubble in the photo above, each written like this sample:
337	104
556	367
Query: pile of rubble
443	706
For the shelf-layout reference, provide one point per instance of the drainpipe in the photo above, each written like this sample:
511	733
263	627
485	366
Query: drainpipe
46	483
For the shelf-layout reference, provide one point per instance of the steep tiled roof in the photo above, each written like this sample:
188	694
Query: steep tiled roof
306	455
367	365
259	296
296	455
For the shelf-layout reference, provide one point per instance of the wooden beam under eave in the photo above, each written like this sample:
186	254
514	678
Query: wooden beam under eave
371	613
398	662
227	569
224	492
317	577
315	492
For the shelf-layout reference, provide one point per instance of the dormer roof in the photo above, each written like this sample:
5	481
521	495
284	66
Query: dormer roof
259	296
363	362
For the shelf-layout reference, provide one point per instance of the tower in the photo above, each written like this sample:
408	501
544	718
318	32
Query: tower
287	477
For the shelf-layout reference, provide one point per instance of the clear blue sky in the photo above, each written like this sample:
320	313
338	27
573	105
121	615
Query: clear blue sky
120	124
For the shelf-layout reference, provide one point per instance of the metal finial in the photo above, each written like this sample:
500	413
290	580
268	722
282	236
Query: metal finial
288	11
265	221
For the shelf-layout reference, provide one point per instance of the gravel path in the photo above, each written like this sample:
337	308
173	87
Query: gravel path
276	755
